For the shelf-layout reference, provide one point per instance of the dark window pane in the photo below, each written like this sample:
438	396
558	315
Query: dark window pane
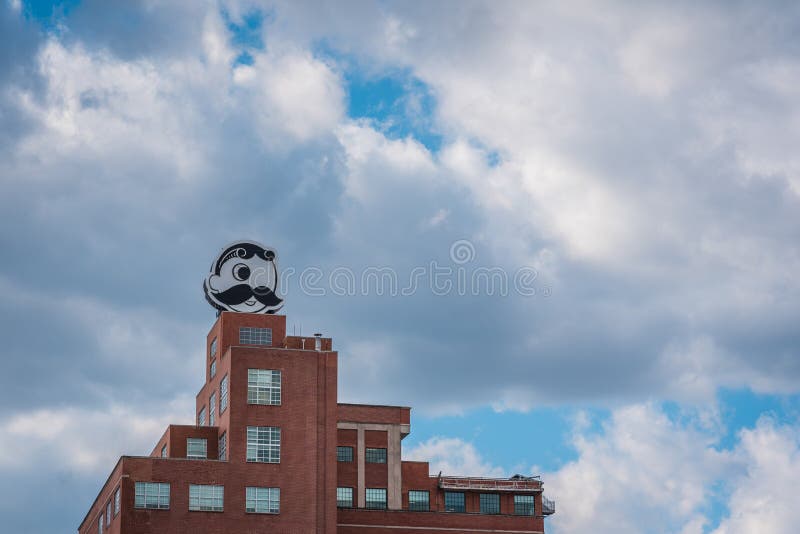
523	505
454	501
490	503
376	498
344	454
418	500
344	497
375	456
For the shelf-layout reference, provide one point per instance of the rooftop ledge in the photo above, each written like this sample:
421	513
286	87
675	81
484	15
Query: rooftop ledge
515	483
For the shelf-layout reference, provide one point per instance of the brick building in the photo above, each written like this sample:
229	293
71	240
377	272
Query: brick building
273	451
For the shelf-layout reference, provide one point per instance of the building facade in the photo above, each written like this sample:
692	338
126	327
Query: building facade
272	450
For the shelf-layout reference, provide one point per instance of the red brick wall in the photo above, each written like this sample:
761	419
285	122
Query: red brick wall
376	475
465	523
308	473
347	472
367	413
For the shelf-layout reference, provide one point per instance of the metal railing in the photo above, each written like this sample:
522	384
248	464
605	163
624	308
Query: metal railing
489	484
548	506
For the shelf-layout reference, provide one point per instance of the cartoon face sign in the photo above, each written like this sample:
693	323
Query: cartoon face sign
244	278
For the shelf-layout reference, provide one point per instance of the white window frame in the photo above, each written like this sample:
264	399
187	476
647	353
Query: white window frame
264	386
373	492
264	444
223	394
260	500
212	408
223	446
197	444
341	490
152	495
206	498
252	335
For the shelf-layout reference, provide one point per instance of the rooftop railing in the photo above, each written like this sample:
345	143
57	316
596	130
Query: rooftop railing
490	484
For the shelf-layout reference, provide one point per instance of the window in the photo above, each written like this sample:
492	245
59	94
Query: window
213	350
419	500
264	444
164	451
375	456
454	501
205	498
201	417
153	495
108	513
116	502
223	394
376	498
262	500
197	448
344	454
212	408
100	524
523	505
263	386
344	497
490	503
223	445
213	368
255	336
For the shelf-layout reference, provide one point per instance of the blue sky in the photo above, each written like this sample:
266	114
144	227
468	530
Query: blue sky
639	160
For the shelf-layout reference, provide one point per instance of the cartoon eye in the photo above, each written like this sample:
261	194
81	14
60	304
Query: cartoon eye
241	272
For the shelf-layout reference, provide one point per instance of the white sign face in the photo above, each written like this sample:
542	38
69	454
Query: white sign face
244	278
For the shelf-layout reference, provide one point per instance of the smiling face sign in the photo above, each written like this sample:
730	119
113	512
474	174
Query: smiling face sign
244	278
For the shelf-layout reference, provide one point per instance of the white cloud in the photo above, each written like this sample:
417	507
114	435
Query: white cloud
84	441
643	473
452	456
764	498
292	93
647	472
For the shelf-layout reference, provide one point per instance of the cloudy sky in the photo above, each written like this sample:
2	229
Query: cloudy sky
630	168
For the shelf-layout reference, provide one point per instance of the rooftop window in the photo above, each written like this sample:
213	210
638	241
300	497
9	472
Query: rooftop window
249	335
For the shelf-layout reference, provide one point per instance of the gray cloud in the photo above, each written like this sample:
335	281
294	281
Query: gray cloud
642	164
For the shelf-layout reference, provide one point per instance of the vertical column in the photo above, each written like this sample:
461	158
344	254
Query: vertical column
361	453
394	493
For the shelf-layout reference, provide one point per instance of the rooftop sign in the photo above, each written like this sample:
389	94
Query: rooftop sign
244	278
